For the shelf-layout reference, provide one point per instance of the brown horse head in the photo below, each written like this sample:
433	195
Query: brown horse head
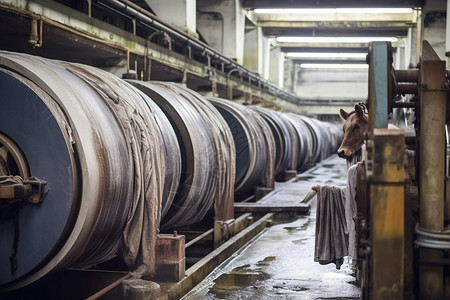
354	128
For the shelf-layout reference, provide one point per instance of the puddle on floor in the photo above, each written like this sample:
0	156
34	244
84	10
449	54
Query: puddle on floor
300	241
294	229
266	261
328	166
291	288
303	178
239	278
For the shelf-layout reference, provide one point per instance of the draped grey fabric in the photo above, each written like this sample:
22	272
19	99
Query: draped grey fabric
335	226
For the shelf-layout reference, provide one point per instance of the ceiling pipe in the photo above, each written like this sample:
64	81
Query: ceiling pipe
135	12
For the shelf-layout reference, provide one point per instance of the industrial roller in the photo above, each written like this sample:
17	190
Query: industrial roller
207	149
253	148
80	132
282	137
316	135
295	142
304	139
92	166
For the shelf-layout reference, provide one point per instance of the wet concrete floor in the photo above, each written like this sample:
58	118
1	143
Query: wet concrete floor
278	263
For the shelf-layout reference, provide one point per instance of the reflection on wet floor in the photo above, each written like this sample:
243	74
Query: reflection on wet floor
328	166
304	226
279	263
238	278
302	178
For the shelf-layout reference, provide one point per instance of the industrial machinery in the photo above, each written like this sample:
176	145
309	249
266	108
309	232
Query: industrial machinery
402	209
93	166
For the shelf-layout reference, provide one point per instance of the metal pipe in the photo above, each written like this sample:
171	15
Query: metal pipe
89	8
128	61
407	75
34	38
108	288
404	104
432	239
200	237
406	88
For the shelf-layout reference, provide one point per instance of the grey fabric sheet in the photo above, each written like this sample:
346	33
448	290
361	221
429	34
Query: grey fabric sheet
335	228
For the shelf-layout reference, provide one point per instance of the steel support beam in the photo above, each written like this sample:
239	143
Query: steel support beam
380	89
432	164
387	213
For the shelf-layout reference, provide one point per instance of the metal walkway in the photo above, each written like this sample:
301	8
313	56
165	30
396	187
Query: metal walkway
278	264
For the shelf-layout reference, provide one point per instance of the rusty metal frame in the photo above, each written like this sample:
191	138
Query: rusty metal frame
387	253
432	92
384	248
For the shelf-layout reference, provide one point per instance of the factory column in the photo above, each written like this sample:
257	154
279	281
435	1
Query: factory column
276	74
224	29
252	50
181	14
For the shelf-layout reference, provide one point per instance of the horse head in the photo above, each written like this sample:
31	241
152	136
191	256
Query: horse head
354	127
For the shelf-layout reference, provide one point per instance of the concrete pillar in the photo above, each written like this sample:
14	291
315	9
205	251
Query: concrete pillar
251	49
289	75
397	58
265	63
231	30
276	62
180	13
447	34
435	23
296	84
408	50
260	50
211	26
280	69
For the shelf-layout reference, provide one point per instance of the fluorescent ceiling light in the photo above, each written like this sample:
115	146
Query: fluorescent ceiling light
334	66
376	10
315	39
325	55
333	10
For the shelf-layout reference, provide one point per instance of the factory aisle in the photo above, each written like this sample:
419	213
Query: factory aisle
279	264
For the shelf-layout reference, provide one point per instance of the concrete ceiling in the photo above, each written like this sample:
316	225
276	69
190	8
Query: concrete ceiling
331	23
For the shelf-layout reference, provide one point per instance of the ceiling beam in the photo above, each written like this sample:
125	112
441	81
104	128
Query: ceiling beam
252	4
326	49
326	45
328	61
335	24
333	17
337	31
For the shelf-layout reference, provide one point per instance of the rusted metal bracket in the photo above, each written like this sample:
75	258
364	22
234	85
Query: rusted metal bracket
31	190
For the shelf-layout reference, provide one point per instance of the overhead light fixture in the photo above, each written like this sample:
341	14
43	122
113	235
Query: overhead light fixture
316	39
376	10
325	55
334	66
